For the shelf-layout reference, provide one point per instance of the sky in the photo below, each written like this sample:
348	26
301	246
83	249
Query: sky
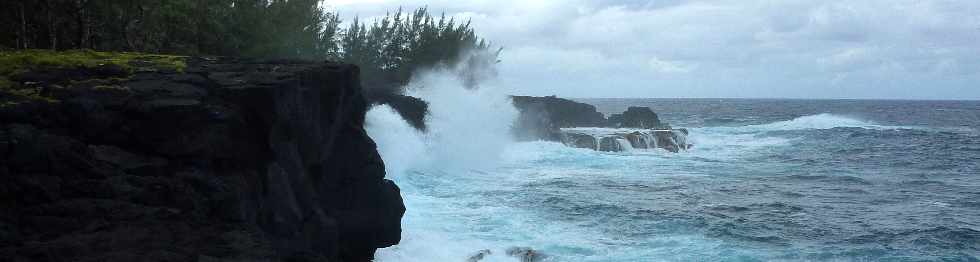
860	49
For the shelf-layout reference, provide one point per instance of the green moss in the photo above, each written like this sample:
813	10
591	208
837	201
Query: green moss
12	62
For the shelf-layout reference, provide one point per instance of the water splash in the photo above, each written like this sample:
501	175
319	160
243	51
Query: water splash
468	128
468	133
400	145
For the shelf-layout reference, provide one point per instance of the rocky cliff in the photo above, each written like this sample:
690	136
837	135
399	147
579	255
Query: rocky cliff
213	160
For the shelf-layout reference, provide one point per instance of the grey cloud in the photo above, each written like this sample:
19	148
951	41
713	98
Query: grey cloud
726	48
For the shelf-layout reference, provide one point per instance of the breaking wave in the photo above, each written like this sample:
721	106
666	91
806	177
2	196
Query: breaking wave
747	192
819	121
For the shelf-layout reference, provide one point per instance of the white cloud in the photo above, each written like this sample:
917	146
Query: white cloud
741	48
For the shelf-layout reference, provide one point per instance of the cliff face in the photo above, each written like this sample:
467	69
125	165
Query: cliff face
226	160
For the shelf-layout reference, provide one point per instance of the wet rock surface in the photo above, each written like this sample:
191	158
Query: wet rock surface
226	160
580	125
619	140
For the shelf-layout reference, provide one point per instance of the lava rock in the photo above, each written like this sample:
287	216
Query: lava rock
412	109
636	117
563	112
257	161
580	141
541	118
610	144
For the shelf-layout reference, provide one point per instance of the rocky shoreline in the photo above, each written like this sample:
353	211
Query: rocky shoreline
225	159
580	125
219	160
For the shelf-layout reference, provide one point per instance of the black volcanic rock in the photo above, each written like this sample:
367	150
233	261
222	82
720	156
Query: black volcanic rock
636	117
617	140
412	109
581	141
564	112
229	160
542	117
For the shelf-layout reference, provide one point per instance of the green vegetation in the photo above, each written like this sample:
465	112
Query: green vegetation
18	60
14	62
393	47
388	49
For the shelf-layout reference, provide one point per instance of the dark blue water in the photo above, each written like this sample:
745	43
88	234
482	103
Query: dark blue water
767	180
904	187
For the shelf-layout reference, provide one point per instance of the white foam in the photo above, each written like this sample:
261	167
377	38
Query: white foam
468	134
467	128
400	145
818	121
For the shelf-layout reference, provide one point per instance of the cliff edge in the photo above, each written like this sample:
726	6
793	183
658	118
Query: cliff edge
195	159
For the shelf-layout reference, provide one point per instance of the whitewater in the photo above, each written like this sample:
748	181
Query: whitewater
767	180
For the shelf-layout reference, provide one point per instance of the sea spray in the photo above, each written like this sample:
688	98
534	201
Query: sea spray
468	131
745	192
399	144
468	128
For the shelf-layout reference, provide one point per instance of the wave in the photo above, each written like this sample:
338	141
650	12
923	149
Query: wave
813	122
468	133
399	144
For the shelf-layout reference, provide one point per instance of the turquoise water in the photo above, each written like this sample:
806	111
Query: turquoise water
767	180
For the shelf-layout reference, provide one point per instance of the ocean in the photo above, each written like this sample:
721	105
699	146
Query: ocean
766	180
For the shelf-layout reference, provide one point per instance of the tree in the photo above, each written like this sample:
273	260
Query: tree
388	50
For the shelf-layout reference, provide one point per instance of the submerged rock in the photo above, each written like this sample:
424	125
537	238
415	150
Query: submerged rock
480	255
525	254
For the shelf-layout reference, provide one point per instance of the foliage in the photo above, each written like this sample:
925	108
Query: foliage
395	46
389	49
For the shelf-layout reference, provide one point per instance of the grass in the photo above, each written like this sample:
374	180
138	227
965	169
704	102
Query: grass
13	62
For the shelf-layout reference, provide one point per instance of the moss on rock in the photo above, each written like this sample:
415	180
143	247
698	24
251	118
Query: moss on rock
16	62
12	61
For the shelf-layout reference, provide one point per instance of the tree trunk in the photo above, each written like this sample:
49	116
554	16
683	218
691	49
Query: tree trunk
52	27
83	24
24	44
201	17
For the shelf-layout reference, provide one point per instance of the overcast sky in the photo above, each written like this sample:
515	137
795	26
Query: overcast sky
902	49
